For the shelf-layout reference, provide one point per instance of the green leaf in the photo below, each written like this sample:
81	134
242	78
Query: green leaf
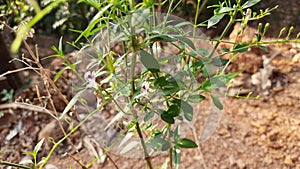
161	37
170	89
96	19
225	9
240	48
250	3
186	40
165	117
226	50
158	143
38	146
217	102
219	61
217	81
187	110
196	98
57	76
71	103
186	143
264	48
214	20
149	61
173	111
206	70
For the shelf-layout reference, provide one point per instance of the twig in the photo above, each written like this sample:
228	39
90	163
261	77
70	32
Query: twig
15	71
77	161
199	148
27	107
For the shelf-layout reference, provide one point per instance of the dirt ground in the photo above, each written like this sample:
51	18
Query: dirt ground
253	132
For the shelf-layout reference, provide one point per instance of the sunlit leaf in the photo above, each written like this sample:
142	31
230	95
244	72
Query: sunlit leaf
225	9
186	143
250	3
38	146
214	20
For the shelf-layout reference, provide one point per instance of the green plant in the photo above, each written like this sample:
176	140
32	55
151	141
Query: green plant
33	162
8	95
154	92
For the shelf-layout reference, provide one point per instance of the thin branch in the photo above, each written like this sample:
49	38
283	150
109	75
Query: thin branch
15	71
199	148
27	107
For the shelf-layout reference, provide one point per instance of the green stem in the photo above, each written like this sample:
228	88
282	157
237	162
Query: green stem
14	165
71	132
196	18
228	26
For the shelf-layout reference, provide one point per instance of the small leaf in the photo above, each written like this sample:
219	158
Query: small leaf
173	111
161	37
219	62
149	61
225	9
264	48
38	146
26	161
186	143
158	143
129	147
217	102
206	70
57	76
196	98
214	20
187	110
250	3
226	50
165	117
186	40
240	48
71	103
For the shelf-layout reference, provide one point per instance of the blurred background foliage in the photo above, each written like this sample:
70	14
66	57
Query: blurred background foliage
75	15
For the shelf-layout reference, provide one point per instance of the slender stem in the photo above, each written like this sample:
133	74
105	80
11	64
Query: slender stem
70	133
228	26
171	157
196	18
14	165
147	157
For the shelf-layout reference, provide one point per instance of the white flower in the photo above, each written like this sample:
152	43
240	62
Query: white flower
90	78
145	86
145	90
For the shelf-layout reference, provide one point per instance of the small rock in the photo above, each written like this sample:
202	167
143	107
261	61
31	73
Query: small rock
288	160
